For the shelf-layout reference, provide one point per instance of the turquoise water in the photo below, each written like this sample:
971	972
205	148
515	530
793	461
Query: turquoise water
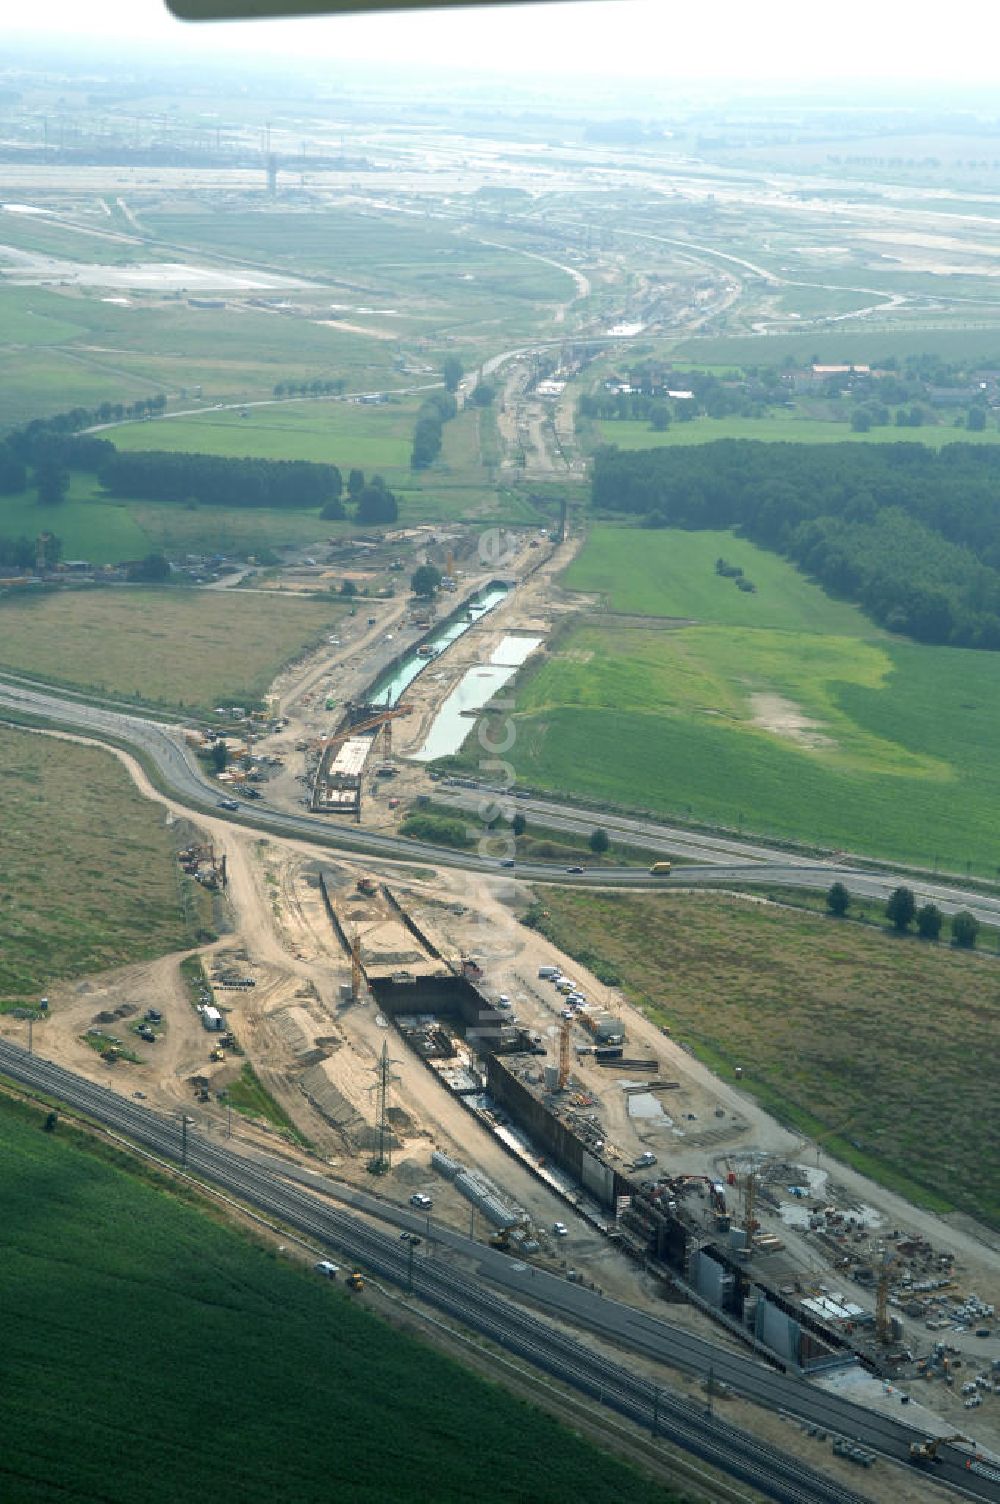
388	687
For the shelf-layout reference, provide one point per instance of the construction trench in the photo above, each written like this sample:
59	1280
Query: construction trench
679	1230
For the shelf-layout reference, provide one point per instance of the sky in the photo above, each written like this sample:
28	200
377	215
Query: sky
783	40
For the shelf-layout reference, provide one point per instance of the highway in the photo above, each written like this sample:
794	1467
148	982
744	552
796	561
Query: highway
715	860
522	1332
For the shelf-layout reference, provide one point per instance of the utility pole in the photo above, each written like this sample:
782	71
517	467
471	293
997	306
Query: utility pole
382	1162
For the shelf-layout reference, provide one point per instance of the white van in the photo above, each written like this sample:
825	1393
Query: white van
326	1269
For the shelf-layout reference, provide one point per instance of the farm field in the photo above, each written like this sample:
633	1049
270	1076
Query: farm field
90	879
836	1025
383	252
238	531
868	346
187	649
323	430
62	349
103	530
672	573
91	525
788	430
161	1308
808	726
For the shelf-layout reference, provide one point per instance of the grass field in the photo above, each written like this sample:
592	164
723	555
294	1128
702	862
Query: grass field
237	531
385	253
867	346
106	531
784	712
185	649
784	429
836	1025
249	1096
63	349
672	573
140	1329
90	525
329	432
89	874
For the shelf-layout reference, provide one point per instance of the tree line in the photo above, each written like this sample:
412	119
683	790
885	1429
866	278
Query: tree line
211	480
908	532
438	409
901	911
22	553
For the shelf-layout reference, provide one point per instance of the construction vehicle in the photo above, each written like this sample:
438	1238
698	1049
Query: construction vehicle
501	1240
217	1054
368	886
355	1280
661	869
927	1451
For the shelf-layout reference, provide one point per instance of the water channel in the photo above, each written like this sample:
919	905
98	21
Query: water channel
476	687
390	685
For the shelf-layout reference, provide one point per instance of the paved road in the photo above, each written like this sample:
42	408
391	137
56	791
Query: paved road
450	1290
724	861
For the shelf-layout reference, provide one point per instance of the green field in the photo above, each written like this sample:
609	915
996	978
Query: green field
787	430
108	530
836	1025
161	1347
673	574
186	649
68	348
237	531
89	879
866	346
384	253
783	713
326	431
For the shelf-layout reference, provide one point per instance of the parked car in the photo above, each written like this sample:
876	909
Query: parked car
560	1229
419	1199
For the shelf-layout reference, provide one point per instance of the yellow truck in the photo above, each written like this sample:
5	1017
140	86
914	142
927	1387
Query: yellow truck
660	869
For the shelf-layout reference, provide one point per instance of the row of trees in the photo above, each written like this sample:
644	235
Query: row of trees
317	388
438	409
901	912
909	532
157	475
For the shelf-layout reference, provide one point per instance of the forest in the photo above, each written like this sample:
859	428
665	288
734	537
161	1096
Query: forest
908	532
155	475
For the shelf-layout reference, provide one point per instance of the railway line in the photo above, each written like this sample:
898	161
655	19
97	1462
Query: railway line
462	1296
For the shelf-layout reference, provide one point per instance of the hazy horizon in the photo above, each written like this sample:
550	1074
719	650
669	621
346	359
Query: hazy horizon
779	45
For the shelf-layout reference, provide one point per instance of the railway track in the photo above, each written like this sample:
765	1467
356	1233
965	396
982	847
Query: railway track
671	1416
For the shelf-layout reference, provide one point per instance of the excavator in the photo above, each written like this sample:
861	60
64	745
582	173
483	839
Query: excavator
923	1452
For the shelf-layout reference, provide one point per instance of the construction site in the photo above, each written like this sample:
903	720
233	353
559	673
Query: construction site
416	1041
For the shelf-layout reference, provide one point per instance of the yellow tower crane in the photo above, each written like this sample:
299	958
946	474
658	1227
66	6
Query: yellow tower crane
882	1299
